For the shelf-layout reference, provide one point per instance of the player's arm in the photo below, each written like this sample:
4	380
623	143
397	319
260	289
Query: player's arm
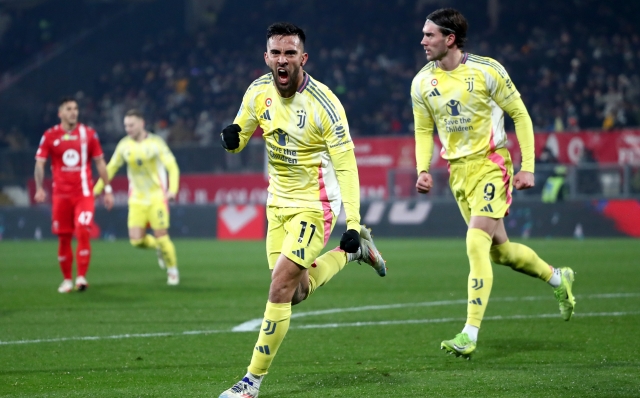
116	161
347	174
38	174
340	146
169	162
523	179
235	136
505	94
524	131
424	126
101	166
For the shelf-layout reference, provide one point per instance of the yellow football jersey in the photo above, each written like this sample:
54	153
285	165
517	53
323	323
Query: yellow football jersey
147	163
466	105
304	136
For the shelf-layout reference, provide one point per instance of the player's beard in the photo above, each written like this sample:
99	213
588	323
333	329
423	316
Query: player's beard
288	89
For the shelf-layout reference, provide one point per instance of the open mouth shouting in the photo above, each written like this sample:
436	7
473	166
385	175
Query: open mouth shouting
283	76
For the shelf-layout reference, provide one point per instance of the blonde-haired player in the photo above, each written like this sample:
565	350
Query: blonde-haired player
148	159
465	96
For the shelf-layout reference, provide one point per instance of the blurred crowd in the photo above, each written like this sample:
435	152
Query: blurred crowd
576	64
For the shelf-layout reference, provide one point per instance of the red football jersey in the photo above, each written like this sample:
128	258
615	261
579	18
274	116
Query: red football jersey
71	153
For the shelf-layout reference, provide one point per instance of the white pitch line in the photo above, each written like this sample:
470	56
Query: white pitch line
318	326
442	320
113	337
254	324
351	324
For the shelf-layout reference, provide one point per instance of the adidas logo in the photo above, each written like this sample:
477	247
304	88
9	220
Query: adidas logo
476	301
487	208
434	93
263	349
299	253
265	115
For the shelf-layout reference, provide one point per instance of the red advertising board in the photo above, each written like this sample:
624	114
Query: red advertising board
621	147
216	189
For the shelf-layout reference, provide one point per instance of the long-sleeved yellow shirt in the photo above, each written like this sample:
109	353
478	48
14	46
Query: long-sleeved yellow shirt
311	161
467	104
148	163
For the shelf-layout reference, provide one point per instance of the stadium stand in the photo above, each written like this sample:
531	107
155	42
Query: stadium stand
573	76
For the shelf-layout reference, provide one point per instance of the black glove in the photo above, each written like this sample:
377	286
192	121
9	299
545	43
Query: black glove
350	241
231	137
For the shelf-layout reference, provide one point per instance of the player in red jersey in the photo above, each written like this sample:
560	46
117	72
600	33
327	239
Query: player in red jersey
71	146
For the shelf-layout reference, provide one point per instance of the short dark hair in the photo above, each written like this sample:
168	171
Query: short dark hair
134	112
285	29
451	21
66	99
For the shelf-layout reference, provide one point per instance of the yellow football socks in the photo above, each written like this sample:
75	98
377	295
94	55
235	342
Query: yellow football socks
168	251
521	259
480	276
274	327
325	267
148	242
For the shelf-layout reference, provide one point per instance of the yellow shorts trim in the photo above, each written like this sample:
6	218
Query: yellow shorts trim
298	233
483	186
155	215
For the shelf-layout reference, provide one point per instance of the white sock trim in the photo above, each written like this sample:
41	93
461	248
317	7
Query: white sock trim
556	278
471	331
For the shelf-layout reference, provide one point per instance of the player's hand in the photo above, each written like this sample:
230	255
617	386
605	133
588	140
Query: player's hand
350	241
231	137
108	201
40	195
424	183
524	180
171	196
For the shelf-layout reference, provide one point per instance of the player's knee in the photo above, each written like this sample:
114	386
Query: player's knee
83	233
139	243
473	247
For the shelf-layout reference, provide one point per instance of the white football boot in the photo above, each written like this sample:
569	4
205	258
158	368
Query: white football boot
66	286
242	389
368	252
173	277
81	284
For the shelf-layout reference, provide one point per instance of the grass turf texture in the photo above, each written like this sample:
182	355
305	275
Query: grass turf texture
224	284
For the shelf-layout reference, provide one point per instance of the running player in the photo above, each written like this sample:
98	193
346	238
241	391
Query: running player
312	169
148	160
71	146
465	96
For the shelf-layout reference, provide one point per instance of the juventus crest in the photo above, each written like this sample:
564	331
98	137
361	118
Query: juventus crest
302	118
469	81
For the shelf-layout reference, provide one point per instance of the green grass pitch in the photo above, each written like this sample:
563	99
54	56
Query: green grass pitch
379	338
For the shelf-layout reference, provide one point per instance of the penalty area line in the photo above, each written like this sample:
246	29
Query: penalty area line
316	326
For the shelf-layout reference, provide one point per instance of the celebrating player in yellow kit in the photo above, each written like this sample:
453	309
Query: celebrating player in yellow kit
312	168
148	160
465	96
